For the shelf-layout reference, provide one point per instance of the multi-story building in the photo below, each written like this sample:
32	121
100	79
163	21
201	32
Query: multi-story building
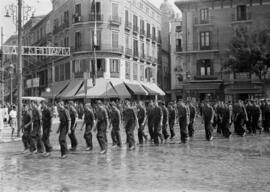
208	26
120	38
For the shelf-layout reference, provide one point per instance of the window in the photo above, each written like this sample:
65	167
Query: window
154	33
66	41
115	10
115	37
178	44
135	22
62	72
204	15
114	66
67	71
148	30
241	12
126	17
135	71
135	48
98	40
78	10
95	8
142	73
56	76
142	49
78	40
127	70
204	67
153	51
66	18
127	41
147	49
205	40
142	25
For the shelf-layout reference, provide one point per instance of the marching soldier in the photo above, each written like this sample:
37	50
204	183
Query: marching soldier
73	117
192	112
36	131
130	123
116	122
26	129
157	123
256	115
183	118
267	116
47	125
240	118
102	126
226	120
141	120
208	118
89	122
249	109
172	116
150	119
63	129
165	120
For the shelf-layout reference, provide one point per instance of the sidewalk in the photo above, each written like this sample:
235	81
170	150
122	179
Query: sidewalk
5	135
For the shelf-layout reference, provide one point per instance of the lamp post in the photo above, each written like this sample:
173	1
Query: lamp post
11	72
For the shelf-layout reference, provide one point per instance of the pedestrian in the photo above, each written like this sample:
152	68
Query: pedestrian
183	118
225	120
27	128
256	117
73	117
208	119
89	122
150	122
157	123
267	116
130	123
36	131
13	120
47	118
249	109
172	116
165	121
141	120
263	109
116	122
1	118
192	112
240	118
102	126
64	127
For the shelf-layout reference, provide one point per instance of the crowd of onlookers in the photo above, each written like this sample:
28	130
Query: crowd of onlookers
8	115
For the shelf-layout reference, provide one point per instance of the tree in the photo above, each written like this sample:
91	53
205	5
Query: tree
249	52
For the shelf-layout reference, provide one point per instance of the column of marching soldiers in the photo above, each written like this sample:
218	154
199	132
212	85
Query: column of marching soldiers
160	120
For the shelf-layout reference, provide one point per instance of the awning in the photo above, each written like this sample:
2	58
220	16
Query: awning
72	89
103	89
57	88
120	88
136	88
153	89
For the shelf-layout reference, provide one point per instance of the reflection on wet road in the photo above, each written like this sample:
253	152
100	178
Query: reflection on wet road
238	164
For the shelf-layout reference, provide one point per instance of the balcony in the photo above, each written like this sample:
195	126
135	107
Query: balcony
198	48
154	39
245	18
198	21
78	75
142	57
107	48
77	18
114	20
115	75
179	49
96	17
149	59
142	33
135	54
154	60
57	29
128	26
159	40
205	77
127	75
148	37
128	52
135	29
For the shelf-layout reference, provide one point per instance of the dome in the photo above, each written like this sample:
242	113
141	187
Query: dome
167	8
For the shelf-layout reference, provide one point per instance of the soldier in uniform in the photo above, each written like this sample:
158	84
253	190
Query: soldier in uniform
240	118
89	122
256	114
116	122
36	131
249	109
102	126
208	118
192	112
73	117
183	118
150	122
172	116
130	123
157	123
141	120
47	125
226	120
267	116
64	128
26	129
165	121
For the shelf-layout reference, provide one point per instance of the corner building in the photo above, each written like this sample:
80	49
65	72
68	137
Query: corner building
127	43
208	26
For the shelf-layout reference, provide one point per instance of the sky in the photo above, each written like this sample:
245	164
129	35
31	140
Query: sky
41	7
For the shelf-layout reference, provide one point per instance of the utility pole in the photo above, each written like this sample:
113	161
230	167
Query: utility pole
2	68
19	67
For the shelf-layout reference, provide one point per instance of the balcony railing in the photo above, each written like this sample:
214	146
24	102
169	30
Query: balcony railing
99	48
148	36
78	75
142	32
97	17
179	49
154	60
208	21
159	40
243	18
135	29
77	18
128	26
127	75
154	38
213	46
142	57
128	52
135	54
115	75
205	77
149	59
114	20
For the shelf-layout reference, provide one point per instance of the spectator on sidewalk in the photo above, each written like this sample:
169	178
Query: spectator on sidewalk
13	119
1	118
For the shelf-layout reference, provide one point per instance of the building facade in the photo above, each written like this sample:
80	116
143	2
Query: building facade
120	38
208	26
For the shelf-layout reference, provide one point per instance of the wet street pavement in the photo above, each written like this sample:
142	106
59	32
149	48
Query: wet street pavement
236	164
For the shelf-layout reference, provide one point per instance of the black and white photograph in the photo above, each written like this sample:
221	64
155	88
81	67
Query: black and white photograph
135	96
